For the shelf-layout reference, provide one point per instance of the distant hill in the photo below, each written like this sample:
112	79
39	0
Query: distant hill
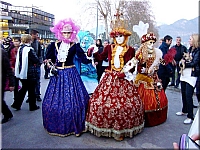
183	28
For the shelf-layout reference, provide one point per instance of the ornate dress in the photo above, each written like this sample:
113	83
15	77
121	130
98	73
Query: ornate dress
115	108
150	90
66	99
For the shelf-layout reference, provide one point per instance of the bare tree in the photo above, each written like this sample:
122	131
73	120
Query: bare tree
135	11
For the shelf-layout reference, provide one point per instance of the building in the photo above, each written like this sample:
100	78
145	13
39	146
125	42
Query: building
15	20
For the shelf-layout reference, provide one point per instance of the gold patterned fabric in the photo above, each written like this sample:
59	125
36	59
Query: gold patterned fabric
115	108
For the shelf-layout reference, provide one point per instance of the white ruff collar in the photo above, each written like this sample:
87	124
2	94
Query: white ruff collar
116	58
63	52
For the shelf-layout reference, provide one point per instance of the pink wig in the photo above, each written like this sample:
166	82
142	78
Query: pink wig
59	27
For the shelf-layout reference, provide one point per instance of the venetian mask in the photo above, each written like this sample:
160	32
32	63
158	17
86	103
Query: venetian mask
66	35
150	44
119	39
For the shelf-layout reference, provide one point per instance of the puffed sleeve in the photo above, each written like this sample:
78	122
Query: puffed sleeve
102	56
51	52
81	55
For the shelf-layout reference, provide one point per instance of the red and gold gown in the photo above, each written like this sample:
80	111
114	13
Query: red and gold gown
115	108
153	96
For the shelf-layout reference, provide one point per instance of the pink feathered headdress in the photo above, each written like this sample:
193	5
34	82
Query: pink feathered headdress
61	25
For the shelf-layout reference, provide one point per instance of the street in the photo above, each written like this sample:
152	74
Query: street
26	131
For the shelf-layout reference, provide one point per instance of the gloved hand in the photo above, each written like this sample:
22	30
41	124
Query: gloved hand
143	70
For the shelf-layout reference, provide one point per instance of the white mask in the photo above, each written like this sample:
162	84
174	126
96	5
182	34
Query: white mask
150	44
66	35
119	39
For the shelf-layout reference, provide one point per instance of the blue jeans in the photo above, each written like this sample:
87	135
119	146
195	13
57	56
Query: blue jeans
37	89
187	92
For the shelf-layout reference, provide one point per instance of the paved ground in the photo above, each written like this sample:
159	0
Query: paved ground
26	131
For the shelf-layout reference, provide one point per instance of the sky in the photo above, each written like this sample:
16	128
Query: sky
165	11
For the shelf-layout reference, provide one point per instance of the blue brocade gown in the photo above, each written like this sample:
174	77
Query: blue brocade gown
65	102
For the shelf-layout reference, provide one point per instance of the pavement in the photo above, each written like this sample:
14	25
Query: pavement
25	130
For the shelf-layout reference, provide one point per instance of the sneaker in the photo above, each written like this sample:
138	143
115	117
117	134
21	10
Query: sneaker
180	113
188	121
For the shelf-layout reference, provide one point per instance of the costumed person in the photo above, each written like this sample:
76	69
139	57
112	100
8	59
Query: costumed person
7	45
115	108
66	98
88	71
149	85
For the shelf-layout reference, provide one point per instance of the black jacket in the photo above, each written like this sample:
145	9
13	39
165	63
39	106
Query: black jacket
179	52
6	70
38	49
195	62
164	70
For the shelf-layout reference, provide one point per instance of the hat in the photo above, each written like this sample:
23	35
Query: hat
119	26
147	37
67	28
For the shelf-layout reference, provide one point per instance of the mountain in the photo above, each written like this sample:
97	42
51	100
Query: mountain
183	28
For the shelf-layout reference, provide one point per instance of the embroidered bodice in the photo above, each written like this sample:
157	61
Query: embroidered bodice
74	49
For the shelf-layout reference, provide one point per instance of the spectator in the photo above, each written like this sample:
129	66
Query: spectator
105	62
160	41
38	50
6	71
13	54
165	71
26	71
99	63
189	77
180	49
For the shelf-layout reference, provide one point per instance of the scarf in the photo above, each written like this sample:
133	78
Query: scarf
23	73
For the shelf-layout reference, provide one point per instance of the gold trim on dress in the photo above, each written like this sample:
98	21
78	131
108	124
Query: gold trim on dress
159	109
64	67
64	135
112	132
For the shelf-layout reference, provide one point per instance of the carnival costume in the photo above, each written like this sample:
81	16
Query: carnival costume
88	71
149	86
66	99
115	109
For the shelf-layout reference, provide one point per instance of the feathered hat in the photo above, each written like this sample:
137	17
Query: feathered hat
141	30
119	26
66	25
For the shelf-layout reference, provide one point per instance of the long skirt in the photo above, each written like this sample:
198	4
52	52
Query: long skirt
155	105
115	108
65	104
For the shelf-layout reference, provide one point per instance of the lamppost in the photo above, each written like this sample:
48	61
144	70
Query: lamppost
97	24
